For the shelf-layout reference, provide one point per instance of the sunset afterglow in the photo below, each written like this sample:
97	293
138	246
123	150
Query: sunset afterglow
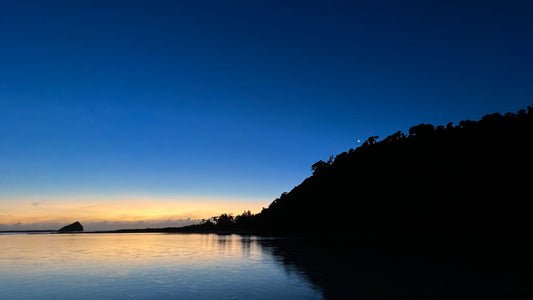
118	211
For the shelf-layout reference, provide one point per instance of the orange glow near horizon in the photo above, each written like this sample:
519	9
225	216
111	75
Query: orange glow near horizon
32	210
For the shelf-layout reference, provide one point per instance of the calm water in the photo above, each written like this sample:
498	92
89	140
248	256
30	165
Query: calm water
146	266
201	266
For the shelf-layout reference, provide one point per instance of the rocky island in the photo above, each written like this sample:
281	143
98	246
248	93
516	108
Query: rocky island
74	227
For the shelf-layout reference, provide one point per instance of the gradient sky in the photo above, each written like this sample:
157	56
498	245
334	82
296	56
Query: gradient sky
161	112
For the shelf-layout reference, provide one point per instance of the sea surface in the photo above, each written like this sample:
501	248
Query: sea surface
145	266
211	266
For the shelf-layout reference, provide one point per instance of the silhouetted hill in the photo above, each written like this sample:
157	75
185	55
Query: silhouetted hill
472	177
475	176
74	227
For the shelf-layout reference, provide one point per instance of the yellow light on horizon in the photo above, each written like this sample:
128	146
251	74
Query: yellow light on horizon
123	209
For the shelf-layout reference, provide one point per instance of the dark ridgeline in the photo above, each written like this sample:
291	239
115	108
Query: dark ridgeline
472	177
74	227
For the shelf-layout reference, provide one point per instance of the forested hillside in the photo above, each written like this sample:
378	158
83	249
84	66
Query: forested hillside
475	176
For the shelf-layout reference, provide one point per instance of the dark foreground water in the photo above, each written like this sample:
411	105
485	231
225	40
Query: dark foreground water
202	266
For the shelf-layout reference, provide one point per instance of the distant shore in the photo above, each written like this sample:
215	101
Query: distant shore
145	230
27	231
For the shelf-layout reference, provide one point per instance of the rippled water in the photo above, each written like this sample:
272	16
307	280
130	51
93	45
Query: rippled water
145	266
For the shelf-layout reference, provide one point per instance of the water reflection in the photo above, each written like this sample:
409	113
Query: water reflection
163	266
349	269
144	266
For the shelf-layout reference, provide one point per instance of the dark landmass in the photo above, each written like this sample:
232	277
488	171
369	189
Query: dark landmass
472	177
74	227
28	231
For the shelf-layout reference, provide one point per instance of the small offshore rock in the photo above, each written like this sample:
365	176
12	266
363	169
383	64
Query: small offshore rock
74	227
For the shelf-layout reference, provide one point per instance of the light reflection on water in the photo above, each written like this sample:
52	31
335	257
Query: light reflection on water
145	266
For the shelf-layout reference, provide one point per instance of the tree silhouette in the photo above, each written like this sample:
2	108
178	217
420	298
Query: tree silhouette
371	141
319	166
421	130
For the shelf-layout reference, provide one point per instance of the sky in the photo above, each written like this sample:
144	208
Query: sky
130	114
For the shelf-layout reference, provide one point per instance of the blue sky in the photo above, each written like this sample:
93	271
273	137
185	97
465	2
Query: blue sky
236	99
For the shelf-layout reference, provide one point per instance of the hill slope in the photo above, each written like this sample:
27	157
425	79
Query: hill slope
476	176
473	177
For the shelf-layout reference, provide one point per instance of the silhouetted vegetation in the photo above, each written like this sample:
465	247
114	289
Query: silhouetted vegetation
474	176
